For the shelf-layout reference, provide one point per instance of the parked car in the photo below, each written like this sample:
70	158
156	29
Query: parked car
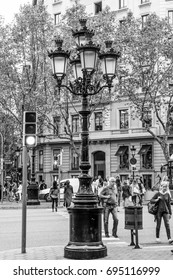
74	182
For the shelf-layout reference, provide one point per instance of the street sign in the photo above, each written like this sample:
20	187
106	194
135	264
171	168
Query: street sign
133	161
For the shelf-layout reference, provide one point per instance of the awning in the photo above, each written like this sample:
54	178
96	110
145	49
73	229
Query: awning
144	149
121	151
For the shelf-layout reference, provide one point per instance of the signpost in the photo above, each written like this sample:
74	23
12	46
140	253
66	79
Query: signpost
24	201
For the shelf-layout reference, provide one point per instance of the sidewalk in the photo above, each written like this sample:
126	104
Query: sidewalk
115	251
18	205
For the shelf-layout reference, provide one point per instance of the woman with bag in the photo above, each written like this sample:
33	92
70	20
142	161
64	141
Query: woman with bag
163	199
54	191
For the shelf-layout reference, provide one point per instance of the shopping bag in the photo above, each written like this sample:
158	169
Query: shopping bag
152	208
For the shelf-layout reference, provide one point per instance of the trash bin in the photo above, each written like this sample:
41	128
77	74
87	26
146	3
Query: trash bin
132	213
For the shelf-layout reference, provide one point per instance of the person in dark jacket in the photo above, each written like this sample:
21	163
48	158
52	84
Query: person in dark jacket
119	189
68	193
54	191
125	193
163	199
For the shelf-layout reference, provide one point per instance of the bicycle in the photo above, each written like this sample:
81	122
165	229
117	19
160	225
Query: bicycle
11	196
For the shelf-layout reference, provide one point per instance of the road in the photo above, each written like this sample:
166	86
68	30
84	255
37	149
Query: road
44	228
47	228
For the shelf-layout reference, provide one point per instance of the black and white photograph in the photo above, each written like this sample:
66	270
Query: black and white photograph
86	139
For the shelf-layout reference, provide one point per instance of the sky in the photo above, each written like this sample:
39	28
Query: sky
9	7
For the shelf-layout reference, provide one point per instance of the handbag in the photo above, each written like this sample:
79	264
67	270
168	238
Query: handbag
152	208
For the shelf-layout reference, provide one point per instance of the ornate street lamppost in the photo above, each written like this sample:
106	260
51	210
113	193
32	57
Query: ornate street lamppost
85	216
133	160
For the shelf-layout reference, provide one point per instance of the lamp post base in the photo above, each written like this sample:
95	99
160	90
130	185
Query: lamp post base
32	191
85	232
85	252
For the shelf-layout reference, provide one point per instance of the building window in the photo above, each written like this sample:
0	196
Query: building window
146	157
98	7
56	124
144	19
170	17
74	160
123	154
75	123
41	160
122	4
56	159
124	119
144	1
98	121
147	119
57	18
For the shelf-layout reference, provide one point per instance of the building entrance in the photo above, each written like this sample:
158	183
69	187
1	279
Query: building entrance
99	164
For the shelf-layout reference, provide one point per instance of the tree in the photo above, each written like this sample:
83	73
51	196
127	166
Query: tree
25	78
145	71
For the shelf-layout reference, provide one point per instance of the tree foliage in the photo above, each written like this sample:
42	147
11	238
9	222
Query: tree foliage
25	74
145	71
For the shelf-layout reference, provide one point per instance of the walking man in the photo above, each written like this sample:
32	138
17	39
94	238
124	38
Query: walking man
109	193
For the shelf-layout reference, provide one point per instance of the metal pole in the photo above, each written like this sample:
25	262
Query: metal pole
59	174
24	199
136	230
2	169
132	238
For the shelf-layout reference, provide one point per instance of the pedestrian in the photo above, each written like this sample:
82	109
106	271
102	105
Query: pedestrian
54	191
163	199
156	186
135	191
68	193
99	181
141	191
94	186
126	194
20	191
119	189
165	179
42	185
109	193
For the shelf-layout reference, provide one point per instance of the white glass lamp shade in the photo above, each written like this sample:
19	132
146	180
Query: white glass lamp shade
80	40
59	65
108	65
77	70
88	58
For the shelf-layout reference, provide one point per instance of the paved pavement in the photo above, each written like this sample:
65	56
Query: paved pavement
117	249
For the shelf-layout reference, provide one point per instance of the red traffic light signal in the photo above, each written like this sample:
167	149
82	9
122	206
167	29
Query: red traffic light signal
30	129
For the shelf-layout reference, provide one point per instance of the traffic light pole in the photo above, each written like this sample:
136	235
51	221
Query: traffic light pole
24	199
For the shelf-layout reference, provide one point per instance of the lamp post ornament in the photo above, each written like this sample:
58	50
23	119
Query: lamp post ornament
85	222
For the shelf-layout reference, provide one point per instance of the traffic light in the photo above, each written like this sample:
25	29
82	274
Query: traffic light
30	129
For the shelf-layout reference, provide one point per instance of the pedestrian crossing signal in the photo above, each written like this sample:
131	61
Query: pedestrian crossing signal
30	129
